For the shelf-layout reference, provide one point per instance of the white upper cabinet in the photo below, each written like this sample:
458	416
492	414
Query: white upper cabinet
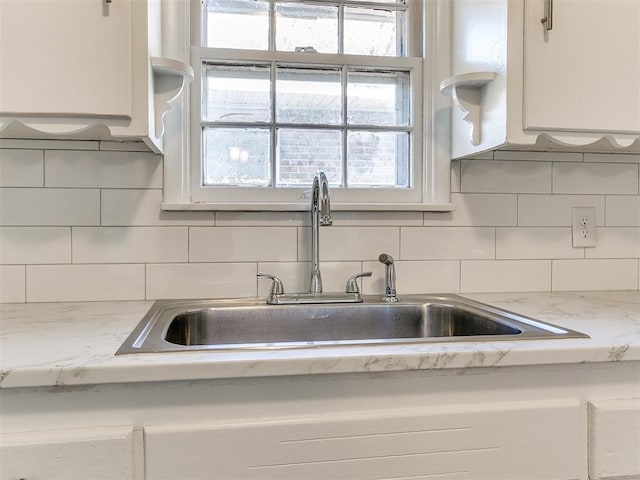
522	83
584	73
57	63
87	69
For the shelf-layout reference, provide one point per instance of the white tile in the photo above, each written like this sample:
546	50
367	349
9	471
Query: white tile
612	157
505	276
415	277
477	209
242	244
124	207
351	243
335	275
71	283
616	242
455	175
526	243
49	206
129	244
12	283
262	219
489	155
539	156
124	146
555	210
447	243
595	178
623	210
598	274
201	280
375	219
294	276
21	168
499	176
49	144
375	285
67	168
35	245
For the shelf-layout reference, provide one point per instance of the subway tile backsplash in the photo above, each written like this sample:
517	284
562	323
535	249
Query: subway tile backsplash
81	221
21	168
49	206
61	283
492	176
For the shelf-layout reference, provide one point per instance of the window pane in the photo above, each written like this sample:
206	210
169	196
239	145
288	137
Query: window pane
236	94
236	156
302	152
380	99
378	159
237	24
373	32
308	96
300	25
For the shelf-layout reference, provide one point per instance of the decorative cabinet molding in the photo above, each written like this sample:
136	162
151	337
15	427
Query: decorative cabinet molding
86	70
169	80
563	88
466	92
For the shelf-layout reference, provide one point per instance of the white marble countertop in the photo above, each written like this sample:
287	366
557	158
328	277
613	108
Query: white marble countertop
74	344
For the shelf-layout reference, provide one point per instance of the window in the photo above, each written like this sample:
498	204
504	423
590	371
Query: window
284	88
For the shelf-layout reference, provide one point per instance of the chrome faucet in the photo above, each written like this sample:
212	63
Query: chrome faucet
320	216
390	278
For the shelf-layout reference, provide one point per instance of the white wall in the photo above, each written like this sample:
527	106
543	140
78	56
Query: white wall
82	221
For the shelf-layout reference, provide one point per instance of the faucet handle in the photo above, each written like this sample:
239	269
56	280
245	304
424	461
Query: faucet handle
276	287
352	283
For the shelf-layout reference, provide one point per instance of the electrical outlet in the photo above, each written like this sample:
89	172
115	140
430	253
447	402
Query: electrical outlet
584	226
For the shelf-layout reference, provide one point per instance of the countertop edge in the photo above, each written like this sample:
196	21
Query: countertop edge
612	319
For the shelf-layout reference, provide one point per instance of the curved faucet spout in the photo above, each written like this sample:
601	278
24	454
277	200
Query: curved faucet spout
320	216
320	201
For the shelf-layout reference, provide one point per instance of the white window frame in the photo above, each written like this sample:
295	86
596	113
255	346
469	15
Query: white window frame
430	159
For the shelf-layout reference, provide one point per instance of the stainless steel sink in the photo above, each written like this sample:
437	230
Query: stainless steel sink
184	325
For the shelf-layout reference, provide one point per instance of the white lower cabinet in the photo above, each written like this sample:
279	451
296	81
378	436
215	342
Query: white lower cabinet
105	453
614	439
532	440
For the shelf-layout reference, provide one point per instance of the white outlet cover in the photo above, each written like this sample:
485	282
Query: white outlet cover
583	227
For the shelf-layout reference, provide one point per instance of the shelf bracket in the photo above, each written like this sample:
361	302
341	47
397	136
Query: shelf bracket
169	79
466	92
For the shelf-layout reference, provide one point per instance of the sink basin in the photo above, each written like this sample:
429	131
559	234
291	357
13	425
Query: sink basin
183	325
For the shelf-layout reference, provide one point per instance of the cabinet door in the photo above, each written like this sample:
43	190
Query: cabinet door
66	57
584	74
98	454
614	439
492	442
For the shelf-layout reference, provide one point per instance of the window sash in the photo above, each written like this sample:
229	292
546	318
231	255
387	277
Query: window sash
405	41
294	196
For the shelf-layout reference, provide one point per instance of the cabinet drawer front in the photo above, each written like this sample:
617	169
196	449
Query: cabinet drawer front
614	439
472	442
98	454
